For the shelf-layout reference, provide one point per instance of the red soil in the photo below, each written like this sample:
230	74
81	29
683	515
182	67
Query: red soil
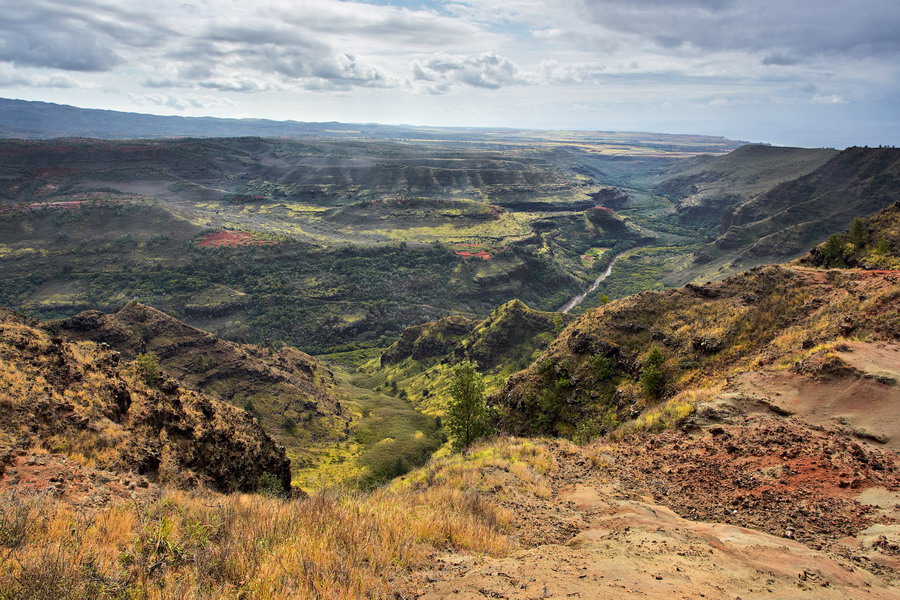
482	255
232	238
781	477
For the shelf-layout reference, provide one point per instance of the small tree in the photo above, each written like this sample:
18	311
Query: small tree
835	250
467	413
653	376
859	234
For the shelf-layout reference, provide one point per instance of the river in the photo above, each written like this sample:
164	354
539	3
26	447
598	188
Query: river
576	300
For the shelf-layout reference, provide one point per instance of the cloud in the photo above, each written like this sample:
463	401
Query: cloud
71	50
76	35
829	99
178	102
11	77
776	28
778	58
488	70
227	45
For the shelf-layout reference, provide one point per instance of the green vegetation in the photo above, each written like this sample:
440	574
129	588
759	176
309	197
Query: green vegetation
870	243
420	363
618	363
467	414
388	437
653	376
147	367
360	239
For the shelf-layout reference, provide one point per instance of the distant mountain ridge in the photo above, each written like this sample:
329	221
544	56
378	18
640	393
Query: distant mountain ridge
44	120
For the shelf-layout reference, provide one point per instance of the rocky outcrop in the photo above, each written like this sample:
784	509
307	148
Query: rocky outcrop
595	374
428	340
87	401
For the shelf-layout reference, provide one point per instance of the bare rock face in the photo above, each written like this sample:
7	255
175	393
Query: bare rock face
82	400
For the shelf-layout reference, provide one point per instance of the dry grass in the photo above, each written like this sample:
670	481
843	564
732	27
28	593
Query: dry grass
506	467
205	545
668	414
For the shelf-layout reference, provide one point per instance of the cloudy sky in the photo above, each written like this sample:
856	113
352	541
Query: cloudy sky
792	72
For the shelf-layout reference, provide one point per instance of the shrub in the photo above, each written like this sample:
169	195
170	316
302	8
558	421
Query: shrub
270	485
653	376
859	235
290	425
601	367
835	251
147	367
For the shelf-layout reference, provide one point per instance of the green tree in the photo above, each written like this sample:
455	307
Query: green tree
834	249
653	376
859	234
467	413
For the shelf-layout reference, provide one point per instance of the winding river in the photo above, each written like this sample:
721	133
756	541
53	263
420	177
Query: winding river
576	300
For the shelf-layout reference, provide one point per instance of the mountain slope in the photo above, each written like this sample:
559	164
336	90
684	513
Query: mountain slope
684	345
783	222
871	243
86	402
291	393
708	188
418	365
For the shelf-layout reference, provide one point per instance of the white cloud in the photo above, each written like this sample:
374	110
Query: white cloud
464	59
830	99
178	102
441	73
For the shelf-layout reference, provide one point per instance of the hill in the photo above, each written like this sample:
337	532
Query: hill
618	361
418	365
621	360
709	188
291	393
744	209
228	234
100	410
871	243
783	222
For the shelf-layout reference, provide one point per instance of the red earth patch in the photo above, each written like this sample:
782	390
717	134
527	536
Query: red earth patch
482	255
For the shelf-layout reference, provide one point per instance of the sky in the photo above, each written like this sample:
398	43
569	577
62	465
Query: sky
786	72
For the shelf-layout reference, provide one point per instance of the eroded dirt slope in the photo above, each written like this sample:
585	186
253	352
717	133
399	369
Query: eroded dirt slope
776	510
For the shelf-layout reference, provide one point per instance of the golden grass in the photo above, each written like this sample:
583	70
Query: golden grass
670	413
506	466
206	545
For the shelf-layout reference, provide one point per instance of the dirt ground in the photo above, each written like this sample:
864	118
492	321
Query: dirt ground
786	486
